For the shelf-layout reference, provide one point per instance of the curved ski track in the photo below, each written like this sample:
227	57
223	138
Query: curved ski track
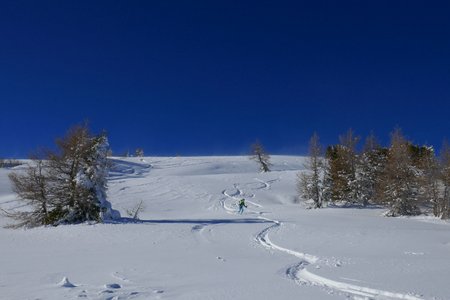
299	272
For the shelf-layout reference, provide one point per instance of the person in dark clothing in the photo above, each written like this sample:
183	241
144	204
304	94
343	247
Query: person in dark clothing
242	205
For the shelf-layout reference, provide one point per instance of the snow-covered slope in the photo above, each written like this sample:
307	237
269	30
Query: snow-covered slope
191	243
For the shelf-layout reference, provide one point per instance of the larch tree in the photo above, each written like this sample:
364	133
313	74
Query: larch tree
33	190
260	156
400	178
69	186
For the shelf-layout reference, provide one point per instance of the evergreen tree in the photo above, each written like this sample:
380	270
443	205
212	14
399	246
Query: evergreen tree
310	184
340	177
370	167
348	155
427	166
442	208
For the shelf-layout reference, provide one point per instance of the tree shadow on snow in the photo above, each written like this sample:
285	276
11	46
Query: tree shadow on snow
191	221
353	205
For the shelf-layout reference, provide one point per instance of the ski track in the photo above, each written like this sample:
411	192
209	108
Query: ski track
299	272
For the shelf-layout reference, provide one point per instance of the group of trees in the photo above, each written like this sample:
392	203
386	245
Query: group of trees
404	177
9	163
67	185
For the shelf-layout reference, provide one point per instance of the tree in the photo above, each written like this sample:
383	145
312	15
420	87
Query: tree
139	152
259	155
340	174
427	165
33	189
349	157
400	178
310	184
442	207
70	187
370	167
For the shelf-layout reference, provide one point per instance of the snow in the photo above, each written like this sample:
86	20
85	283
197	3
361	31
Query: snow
190	243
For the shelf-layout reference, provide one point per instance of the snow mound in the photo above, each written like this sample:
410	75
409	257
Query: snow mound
66	283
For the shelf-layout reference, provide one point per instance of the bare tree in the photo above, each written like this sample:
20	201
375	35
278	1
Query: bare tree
260	156
310	184
33	190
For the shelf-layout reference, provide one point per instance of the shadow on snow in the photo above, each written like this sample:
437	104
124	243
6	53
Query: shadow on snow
190	221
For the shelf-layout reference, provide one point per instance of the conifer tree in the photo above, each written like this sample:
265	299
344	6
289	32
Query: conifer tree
340	177
348	155
400	178
370	167
443	205
71	186
310	184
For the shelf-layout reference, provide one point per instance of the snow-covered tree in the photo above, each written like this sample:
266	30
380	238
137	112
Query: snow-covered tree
340	174
309	183
260	156
349	157
443	206
95	173
427	165
400	188
71	186
370	167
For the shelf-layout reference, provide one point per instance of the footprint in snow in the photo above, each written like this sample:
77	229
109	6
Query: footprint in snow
197	227
113	286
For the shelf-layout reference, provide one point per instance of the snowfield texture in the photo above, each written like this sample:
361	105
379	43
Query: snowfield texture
190	242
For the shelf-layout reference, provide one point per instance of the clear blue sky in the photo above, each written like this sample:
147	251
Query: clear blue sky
209	77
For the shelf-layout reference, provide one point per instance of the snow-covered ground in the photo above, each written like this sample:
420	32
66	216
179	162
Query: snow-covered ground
191	243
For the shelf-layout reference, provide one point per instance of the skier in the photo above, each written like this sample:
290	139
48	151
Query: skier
242	205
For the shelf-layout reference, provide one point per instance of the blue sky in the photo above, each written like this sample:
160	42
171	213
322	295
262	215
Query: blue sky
209	77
